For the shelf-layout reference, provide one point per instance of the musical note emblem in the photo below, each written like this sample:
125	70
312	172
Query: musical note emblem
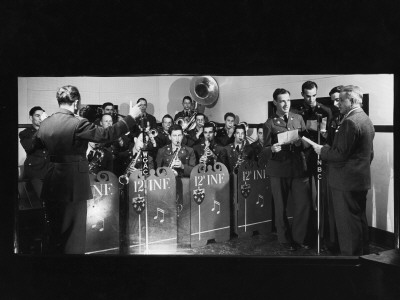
161	211
219	206
262	200
99	222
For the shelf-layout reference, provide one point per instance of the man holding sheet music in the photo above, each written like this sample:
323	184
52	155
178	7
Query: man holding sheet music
349	175
287	170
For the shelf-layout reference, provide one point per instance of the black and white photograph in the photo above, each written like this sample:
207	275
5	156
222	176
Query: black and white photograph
214	150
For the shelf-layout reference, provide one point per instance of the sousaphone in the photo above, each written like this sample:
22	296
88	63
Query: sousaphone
204	90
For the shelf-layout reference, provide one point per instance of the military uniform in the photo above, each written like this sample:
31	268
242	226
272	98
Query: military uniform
147	118
288	176
37	160
66	186
219	153
222	138
233	154
257	147
192	138
186	154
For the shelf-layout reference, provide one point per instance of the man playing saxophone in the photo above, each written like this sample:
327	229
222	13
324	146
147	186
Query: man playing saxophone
176	156
208	151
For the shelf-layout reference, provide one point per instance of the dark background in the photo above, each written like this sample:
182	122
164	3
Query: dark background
110	38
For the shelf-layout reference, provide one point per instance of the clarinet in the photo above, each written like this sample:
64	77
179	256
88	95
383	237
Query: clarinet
240	159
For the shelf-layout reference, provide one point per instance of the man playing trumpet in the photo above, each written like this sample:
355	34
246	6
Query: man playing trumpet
176	156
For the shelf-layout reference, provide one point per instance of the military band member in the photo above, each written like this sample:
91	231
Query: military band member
215	154
336	115
66	186
286	168
135	161
106	108
195	135
145	120
179	157
259	143
240	150
162	138
224	136
37	160
187	111
106	163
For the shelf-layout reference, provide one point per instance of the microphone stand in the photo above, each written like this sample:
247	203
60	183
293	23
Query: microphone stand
145	173
319	168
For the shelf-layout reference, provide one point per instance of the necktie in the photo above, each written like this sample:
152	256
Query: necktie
237	148
285	118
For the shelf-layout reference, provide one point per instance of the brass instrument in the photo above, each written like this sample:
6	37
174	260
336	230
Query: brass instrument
124	178
98	155
176	152
188	123
207	154
240	159
153	132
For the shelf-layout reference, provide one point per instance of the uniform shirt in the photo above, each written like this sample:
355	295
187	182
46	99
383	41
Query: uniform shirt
148	118
222	138
219	153
186	154
192	138
233	154
285	163
257	147
37	160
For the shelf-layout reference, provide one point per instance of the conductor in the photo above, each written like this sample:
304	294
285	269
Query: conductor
66	185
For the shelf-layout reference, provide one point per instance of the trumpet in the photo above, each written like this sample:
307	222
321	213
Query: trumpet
124	178
152	133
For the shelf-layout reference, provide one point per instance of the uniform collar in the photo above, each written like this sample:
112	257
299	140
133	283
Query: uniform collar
65	111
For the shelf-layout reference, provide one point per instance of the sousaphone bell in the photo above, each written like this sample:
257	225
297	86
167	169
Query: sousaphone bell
204	90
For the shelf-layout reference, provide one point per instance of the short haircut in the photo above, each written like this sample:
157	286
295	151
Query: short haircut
309	85
101	119
208	125
229	114
352	92
33	109
261	125
67	94
199	115
240	126
140	99
107	104
336	89
167	116
278	92
175	127
187	97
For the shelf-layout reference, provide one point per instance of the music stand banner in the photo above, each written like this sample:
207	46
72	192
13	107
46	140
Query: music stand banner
102	218
152	230
210	209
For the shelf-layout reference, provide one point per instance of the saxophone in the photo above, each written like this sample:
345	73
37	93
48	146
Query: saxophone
240	159
124	178
98	155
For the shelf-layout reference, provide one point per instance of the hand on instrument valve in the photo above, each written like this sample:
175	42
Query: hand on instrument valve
135	110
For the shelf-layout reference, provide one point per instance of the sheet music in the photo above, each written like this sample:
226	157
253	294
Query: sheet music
288	136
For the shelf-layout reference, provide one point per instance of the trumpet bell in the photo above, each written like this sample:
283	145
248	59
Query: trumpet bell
204	90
